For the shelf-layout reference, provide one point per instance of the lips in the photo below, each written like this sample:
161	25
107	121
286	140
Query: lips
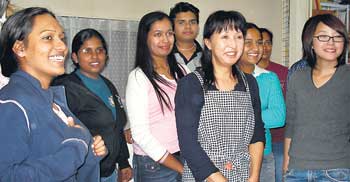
330	50
188	33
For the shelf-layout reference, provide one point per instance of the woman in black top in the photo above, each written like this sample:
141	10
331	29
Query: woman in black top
96	102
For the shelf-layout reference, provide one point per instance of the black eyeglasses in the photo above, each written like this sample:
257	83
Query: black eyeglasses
326	38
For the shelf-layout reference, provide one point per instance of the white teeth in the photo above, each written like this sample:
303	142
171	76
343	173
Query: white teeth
231	53
95	63
56	58
251	54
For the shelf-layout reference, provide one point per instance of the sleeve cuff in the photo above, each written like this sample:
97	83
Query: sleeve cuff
123	164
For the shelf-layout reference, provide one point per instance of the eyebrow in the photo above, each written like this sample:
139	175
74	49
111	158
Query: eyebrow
187	19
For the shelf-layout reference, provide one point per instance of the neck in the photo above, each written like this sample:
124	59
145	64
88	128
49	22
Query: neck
160	64
246	68
185	45
325	66
45	80
222	72
89	75
264	63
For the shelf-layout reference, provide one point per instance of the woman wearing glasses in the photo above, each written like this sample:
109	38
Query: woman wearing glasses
96	102
273	109
317	142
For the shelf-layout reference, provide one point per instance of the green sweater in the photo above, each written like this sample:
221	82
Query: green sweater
318	121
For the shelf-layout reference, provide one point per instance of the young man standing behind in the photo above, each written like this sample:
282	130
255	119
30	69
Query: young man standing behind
187	50
282	72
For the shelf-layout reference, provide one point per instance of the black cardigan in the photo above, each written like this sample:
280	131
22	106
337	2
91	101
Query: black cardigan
98	118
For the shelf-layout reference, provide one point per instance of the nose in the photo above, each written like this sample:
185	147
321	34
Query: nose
331	40
165	38
61	45
187	25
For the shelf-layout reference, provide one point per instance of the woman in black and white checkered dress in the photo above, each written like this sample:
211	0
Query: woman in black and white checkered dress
220	130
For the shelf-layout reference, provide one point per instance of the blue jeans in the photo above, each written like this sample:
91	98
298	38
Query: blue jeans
329	175
148	170
267	173
277	150
112	178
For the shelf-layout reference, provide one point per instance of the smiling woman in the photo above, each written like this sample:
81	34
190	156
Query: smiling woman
217	109
96	102
44	140
150	102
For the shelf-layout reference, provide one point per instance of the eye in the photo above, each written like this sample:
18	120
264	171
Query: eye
224	37
193	22
157	34
181	22
170	33
239	37
47	37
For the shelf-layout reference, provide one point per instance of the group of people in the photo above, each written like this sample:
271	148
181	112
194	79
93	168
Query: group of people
213	114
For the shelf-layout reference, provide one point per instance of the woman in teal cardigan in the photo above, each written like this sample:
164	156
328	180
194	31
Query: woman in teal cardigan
273	108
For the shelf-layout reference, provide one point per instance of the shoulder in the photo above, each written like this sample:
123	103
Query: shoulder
65	79
279	66
184	68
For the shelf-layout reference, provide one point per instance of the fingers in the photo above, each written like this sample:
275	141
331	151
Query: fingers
98	146
128	136
125	174
70	121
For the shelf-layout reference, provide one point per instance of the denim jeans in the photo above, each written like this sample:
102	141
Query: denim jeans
329	175
112	178
267	173
148	170
277	150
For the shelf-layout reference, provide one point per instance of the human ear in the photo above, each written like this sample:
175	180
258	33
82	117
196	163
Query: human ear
207	43
18	48
75	58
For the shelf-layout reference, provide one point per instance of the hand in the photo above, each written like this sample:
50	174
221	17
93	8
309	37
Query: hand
216	177
125	175
128	137
71	123
253	179
98	146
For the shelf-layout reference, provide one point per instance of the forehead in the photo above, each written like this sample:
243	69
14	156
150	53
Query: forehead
321	27
92	42
46	22
163	24
253	33
265	36
188	15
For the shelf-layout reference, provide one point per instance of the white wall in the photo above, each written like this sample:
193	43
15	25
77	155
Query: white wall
265	13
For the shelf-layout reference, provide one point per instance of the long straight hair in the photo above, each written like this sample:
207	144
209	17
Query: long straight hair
144	59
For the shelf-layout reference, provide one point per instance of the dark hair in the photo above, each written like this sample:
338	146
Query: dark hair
309	29
250	25
144	58
84	35
17	28
265	30
183	7
217	22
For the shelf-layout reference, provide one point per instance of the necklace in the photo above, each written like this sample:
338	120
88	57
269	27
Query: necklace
185	49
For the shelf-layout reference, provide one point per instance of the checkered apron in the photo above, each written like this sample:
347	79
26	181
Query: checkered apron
225	130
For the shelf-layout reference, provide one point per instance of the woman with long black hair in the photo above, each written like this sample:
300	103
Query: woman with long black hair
150	102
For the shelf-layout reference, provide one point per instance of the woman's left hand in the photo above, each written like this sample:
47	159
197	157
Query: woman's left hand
98	147
125	174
